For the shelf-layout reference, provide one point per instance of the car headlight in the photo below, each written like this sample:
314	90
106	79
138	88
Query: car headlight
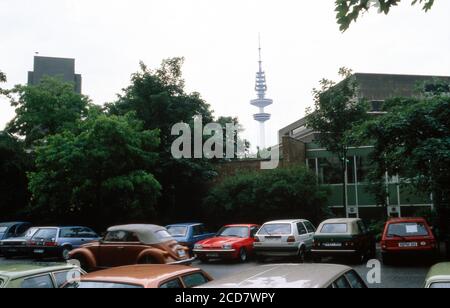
197	246
227	246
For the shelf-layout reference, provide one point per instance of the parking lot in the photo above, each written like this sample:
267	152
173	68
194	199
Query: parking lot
410	275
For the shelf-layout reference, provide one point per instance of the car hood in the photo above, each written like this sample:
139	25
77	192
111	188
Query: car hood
220	241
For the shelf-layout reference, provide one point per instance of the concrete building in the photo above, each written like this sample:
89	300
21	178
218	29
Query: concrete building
403	201
55	67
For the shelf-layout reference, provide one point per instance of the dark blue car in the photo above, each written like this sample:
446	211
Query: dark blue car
13	229
57	242
187	234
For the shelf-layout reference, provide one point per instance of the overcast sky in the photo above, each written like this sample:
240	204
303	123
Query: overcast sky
218	38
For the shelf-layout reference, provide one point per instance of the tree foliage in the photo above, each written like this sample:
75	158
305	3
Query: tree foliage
261	196
160	101
348	11
98	173
337	109
45	109
14	165
413	140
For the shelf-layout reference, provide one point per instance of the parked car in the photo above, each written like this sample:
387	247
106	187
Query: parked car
132	244
438	277
298	276
408	236
348	237
13	229
37	276
57	242
17	246
232	242
143	276
284	238
189	234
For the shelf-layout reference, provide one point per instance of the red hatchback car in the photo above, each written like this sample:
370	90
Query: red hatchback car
232	242
407	236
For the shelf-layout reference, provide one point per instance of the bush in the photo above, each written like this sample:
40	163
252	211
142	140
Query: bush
257	197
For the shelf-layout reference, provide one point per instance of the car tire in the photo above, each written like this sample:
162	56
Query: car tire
301	255
243	255
65	252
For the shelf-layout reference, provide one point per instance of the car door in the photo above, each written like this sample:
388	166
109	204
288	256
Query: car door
303	236
87	236
311	231
111	249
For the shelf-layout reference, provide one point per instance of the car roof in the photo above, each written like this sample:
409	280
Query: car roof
187	224
13	223
23	269
142	275
241	225
285	221
341	220
406	219
439	271
283	276
145	233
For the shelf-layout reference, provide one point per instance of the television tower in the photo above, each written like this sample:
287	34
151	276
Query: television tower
261	102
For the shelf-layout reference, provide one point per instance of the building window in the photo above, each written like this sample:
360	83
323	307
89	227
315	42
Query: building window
377	106
312	165
330	170
363	167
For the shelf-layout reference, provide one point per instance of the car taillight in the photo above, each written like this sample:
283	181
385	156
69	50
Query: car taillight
291	239
50	244
316	244
349	244
256	239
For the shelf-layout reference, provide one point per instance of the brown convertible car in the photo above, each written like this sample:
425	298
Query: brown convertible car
132	244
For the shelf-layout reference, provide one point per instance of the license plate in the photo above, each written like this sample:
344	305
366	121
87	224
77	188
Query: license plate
12	250
39	251
273	239
410	244
332	244
181	253
212	255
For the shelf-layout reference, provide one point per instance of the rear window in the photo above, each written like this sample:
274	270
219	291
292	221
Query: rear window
46	234
2	281
194	280
100	285
177	230
334	228
407	229
276	229
440	285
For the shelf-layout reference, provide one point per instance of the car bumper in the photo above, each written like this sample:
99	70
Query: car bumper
333	252
276	251
14	250
47	252
183	262
216	253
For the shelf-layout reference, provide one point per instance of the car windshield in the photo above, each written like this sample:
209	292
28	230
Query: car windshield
407	229
334	228
45	234
177	230
100	285
275	229
242	232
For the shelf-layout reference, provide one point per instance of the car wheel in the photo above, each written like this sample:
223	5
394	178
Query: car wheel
302	255
243	256
65	253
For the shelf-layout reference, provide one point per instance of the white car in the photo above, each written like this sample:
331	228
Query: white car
284	238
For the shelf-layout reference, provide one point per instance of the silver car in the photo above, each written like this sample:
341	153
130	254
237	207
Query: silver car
284	238
298	276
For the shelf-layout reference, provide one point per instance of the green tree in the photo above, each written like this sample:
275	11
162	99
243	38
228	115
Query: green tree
348	11
14	165
45	109
413	141
2	79
273	194
337	109
97	174
160	101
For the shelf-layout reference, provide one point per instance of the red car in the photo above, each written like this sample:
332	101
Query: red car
232	242
407	236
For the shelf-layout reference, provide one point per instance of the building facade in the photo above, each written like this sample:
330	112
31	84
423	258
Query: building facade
402	200
55	67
